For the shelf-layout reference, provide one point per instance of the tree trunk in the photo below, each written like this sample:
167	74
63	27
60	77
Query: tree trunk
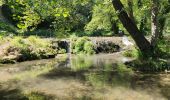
131	27
154	23
130	12
115	27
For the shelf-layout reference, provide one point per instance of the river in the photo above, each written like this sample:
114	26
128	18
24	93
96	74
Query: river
97	77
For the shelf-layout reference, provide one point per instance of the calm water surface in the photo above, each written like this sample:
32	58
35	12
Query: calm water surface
98	77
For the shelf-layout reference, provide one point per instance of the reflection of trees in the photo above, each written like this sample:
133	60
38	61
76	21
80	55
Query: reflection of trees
119	75
81	63
96	72
11	94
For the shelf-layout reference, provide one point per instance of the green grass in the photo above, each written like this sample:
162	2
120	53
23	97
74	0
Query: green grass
134	52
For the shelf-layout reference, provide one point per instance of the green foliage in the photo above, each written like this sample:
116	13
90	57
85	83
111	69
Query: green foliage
163	48
61	51
7	29
149	65
102	18
102	78
38	42
133	53
18	42
30	48
61	16
79	63
82	45
29	13
41	32
89	47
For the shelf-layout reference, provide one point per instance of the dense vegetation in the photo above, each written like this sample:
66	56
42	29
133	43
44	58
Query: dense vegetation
87	17
22	49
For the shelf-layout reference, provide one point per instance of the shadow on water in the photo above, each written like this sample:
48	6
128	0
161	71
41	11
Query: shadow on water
99	77
159	82
13	93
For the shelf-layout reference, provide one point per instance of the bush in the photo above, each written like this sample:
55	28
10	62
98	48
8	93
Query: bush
82	45
30	48
133	53
149	65
18	42
163	48
61	51
89	47
7	28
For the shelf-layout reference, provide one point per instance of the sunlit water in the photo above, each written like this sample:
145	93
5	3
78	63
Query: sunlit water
98	77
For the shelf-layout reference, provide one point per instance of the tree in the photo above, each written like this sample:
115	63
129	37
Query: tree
130	11
154	22
158	19
164	11
131	27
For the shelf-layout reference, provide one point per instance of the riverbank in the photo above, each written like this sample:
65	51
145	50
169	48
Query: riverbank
19	49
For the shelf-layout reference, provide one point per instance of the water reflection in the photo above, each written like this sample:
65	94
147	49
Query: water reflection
98	77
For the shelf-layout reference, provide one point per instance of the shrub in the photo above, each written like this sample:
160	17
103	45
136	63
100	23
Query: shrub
30	48
38	42
133	53
61	51
89	47
163	48
18	42
82	45
7	28
149	65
